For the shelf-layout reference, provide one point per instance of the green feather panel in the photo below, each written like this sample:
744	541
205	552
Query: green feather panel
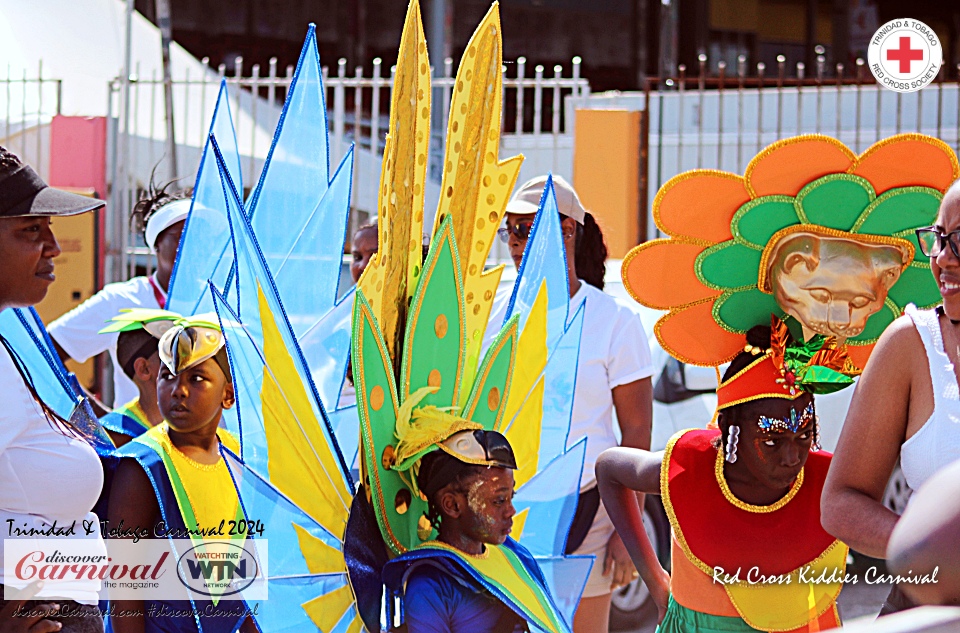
433	349
488	399
397	507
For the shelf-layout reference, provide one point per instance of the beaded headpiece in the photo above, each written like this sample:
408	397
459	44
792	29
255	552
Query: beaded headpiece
788	369
792	423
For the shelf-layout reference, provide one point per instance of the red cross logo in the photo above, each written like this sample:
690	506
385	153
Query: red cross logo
905	54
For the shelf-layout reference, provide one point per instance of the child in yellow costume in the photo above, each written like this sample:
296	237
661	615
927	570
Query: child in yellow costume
174	473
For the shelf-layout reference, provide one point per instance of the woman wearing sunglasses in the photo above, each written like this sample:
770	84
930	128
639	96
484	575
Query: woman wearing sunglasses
906	405
613	373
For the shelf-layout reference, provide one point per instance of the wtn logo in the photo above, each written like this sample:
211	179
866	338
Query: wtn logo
217	569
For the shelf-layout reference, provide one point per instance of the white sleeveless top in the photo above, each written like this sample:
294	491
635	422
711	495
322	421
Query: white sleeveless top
937	443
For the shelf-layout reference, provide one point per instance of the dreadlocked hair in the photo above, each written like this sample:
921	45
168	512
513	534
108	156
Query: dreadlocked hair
432	463
591	253
152	199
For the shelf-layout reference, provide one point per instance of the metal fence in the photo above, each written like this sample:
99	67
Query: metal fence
27	102
534	123
721	120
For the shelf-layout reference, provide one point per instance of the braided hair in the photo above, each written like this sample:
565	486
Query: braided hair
433	463
591	252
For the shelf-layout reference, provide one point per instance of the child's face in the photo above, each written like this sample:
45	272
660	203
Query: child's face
488	513
195	397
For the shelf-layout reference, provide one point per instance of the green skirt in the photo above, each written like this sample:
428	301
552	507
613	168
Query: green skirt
680	619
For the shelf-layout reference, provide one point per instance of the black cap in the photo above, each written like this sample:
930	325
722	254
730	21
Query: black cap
23	193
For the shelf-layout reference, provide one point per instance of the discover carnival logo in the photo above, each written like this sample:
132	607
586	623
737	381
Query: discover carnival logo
905	55
144	569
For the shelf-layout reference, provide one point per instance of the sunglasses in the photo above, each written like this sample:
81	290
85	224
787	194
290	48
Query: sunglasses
932	241
520	230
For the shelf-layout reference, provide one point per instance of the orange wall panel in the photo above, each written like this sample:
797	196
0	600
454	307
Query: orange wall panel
606	171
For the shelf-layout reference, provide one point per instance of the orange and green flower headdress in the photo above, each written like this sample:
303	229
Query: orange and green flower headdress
811	233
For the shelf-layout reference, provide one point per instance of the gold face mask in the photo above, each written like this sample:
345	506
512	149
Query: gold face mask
189	343
833	283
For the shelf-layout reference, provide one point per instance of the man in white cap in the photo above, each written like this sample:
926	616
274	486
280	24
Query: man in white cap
75	334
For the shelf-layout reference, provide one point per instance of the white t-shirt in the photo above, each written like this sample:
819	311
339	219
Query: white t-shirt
76	331
45	475
613	351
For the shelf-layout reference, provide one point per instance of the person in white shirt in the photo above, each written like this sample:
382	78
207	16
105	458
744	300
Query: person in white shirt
613	372
50	475
75	334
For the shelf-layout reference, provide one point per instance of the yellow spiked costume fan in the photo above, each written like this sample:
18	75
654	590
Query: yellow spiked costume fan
418	325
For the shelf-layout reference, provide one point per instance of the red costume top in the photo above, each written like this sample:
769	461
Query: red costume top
774	566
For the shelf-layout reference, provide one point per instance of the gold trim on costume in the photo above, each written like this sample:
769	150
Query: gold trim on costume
743	505
670	184
706	569
773	147
442	545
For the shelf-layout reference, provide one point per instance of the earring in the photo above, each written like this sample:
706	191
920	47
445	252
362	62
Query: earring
733	436
816	434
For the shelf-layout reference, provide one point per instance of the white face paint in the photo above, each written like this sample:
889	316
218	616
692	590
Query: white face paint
490	508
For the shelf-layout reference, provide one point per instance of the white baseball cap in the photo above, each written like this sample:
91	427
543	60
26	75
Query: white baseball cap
526	201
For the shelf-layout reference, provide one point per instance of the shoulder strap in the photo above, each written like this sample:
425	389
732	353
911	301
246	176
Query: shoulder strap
941	369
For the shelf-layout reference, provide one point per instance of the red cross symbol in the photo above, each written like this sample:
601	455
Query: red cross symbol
905	54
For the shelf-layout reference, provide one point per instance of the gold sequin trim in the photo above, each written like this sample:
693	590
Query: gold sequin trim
770	149
912	136
506	335
887	195
636	250
670	184
743	505
364	314
451	548
833	598
683	358
747	207
672	515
